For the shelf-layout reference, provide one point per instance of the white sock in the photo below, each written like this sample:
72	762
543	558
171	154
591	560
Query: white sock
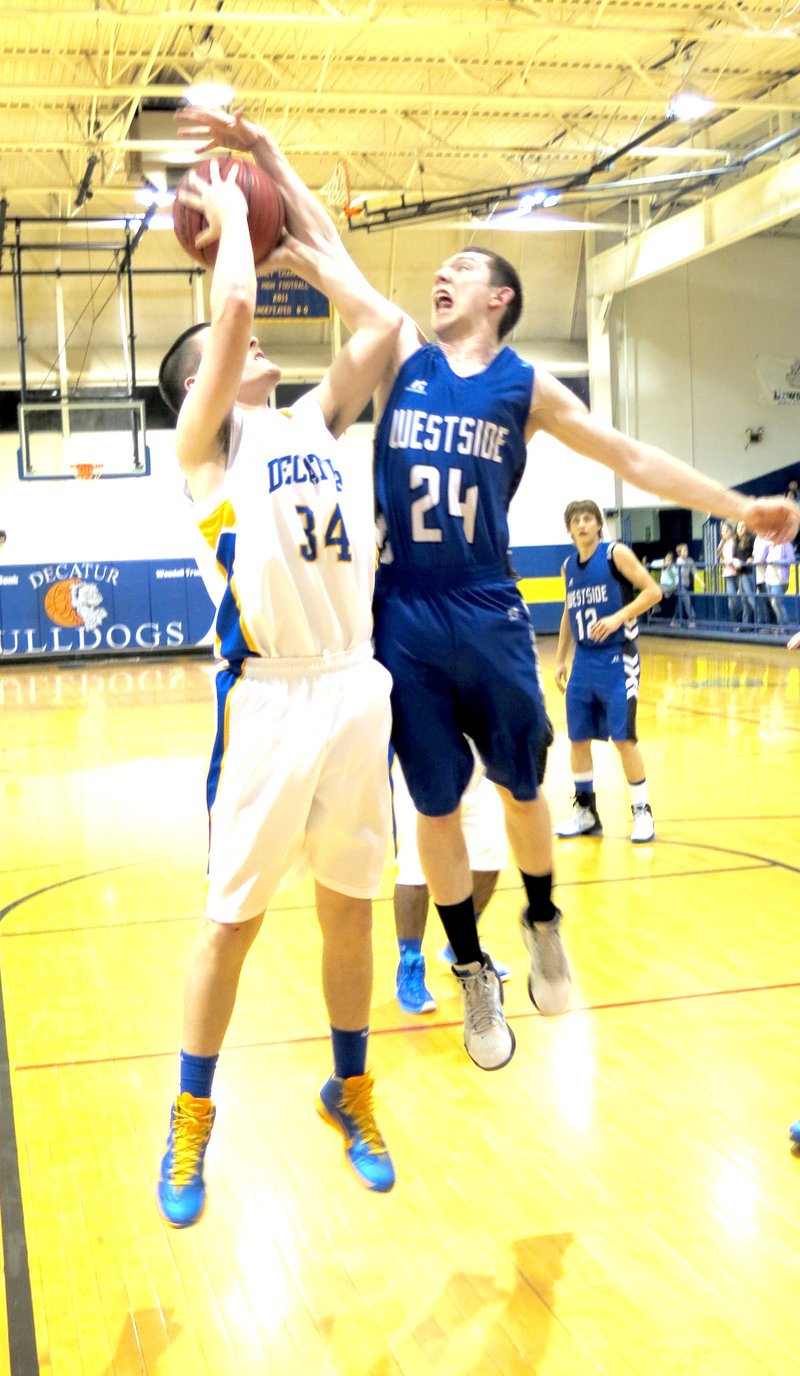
639	793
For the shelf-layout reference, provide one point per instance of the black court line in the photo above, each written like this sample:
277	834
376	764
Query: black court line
22	1350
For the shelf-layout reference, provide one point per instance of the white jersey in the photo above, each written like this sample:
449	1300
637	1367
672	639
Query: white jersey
292	537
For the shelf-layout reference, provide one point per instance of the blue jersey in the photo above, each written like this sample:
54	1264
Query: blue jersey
596	589
449	456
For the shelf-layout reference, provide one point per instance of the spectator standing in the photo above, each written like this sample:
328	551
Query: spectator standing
725	557
764	613
686	571
780	558
668	583
743	562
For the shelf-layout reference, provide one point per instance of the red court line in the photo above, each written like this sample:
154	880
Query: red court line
423	1026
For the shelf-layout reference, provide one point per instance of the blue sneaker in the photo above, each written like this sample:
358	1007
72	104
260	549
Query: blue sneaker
347	1106
412	994
502	971
794	1133
181	1189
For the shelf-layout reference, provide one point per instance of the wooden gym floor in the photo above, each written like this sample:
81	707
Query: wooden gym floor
621	1199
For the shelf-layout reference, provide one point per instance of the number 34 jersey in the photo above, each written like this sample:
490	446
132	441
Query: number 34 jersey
289	553
449	455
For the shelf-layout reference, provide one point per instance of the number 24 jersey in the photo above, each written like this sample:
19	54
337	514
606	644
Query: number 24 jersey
449	455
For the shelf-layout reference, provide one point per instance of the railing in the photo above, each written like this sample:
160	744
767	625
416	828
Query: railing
720	606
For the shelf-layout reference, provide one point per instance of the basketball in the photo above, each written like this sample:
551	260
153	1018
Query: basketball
265	211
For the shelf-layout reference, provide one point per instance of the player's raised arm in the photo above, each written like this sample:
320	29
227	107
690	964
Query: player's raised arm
211	394
357	370
306	217
560	413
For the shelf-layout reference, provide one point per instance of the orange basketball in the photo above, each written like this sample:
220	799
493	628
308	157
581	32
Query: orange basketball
265	211
58	603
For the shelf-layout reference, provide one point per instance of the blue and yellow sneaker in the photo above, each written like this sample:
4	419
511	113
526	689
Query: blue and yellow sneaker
413	994
347	1106
181	1189
794	1133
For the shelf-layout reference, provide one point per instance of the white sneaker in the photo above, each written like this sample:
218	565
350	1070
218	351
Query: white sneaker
583	821
550	980
643	824
488	1038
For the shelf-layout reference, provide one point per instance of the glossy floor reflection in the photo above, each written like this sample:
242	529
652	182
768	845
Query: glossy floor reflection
620	1199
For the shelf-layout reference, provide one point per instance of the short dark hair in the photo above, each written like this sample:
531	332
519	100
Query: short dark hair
180	361
582	508
502	274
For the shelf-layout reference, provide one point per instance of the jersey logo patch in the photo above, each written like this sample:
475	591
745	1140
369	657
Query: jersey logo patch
419	385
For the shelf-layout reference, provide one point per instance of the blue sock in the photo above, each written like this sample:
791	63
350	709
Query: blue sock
197	1074
410	944
349	1052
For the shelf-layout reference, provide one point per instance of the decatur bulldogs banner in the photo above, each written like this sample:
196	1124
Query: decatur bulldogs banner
83	607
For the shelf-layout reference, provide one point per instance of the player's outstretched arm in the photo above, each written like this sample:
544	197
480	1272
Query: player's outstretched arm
211	397
361	365
306	217
559	412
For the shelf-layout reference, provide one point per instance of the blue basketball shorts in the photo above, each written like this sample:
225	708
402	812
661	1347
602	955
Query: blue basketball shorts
602	695
463	664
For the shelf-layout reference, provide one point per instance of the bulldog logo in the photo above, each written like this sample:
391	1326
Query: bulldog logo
75	603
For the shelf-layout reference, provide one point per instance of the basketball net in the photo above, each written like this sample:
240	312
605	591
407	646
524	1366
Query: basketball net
336	191
86	471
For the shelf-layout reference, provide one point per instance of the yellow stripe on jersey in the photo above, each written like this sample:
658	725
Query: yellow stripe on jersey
541	589
222	518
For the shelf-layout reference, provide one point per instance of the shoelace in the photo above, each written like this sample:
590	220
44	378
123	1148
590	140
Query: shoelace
191	1130
357	1104
481	1000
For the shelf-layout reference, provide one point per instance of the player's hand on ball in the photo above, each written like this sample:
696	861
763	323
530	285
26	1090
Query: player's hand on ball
218	128
214	199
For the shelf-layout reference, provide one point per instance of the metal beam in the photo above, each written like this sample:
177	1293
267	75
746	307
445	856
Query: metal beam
460	17
750	207
30	95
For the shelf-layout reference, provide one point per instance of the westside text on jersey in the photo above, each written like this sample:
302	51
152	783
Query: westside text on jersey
447	434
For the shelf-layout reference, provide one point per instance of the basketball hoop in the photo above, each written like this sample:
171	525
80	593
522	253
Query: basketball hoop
336	191
86	471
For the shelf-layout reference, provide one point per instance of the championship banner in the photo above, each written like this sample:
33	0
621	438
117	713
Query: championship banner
779	380
283	296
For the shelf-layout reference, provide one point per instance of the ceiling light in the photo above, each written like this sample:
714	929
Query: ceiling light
211	94
687	106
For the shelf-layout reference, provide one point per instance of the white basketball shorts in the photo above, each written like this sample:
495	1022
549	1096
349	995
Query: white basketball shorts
482	819
303	780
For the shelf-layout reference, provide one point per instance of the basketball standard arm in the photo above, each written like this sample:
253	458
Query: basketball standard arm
560	413
355	372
